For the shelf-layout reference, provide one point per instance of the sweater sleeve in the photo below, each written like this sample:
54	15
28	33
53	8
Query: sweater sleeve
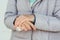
10	14
49	23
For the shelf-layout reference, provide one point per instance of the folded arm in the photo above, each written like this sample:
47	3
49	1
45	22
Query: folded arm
10	14
49	23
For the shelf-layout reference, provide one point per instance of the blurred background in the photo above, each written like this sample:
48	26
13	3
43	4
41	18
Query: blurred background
5	33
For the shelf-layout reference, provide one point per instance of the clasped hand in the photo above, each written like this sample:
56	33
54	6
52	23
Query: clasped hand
25	22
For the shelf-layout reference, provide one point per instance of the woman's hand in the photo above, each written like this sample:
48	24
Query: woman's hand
30	17
24	22
26	26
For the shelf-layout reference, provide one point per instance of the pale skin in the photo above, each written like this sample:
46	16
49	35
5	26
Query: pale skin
24	22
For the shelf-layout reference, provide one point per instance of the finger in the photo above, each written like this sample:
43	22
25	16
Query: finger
18	20
33	27
16	24
27	26
22	21
20	17
24	28
20	26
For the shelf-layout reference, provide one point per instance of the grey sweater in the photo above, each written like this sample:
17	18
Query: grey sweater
47	22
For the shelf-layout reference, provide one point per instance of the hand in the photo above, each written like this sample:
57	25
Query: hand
26	26
30	17
22	19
